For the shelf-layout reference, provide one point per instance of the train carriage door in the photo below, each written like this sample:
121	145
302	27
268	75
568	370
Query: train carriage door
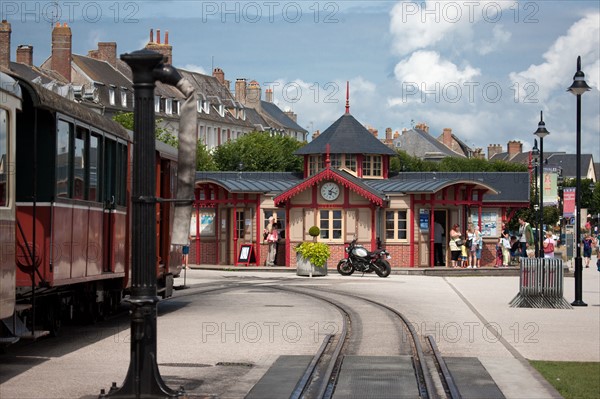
114	199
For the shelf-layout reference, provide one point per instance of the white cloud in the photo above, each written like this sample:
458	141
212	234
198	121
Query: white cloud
194	68
426	69
417	26
582	38
320	104
500	36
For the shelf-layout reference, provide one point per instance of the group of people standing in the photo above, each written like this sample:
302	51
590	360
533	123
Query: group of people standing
465	253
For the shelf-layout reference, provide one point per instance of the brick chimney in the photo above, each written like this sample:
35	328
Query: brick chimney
289	114
61	50
514	147
5	31
240	90
165	49
219	74
25	54
107	51
494	149
316	134
447	137
253	95
269	96
423	127
388	133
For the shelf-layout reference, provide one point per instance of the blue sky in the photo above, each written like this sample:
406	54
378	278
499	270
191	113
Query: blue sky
483	68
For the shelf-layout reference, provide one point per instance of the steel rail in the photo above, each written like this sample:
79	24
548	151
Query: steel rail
447	379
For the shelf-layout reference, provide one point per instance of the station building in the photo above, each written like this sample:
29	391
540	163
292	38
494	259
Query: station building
347	190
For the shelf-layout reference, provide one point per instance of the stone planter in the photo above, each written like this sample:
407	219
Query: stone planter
305	268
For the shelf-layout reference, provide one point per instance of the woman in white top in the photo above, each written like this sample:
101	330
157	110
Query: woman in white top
549	245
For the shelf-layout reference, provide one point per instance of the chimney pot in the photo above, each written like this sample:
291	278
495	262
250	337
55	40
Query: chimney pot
25	54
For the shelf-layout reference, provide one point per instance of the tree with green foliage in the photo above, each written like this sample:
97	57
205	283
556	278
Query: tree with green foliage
259	151
125	119
204	160
404	162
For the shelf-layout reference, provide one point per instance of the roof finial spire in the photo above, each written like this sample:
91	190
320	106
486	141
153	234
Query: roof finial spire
327	158
347	97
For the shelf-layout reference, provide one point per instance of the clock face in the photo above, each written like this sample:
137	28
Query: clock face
330	191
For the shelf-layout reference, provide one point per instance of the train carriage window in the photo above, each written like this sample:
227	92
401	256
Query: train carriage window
63	159
120	171
95	155
4	161
80	160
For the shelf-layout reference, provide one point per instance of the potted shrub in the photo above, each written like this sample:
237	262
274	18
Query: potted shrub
311	257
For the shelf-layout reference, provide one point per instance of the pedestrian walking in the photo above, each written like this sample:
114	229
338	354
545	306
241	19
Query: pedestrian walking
438	244
526	239
587	249
549	246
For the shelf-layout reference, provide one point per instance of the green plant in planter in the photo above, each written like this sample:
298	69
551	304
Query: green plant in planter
316	253
314	232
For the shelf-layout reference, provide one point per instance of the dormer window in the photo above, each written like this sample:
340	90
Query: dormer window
315	164
111	95
350	162
169	106
156	103
123	97
177	107
221	110
206	106
372	166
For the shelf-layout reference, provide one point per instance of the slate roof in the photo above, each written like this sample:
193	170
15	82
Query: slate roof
432	141
346	136
251	182
280	117
32	72
506	187
568	163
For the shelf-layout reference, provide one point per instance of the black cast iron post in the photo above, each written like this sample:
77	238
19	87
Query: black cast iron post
578	87
541	132
143	378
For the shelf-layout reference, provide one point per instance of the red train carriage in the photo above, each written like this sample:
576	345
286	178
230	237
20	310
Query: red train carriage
72	228
10	103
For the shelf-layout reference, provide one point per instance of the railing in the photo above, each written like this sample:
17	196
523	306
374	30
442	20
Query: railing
541	284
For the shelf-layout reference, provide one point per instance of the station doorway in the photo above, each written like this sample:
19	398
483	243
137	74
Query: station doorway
440	242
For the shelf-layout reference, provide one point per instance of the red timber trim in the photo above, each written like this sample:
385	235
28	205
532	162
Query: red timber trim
234	229
197	231
325	174
373	229
288	247
259	230
306	158
386	166
359	161
411	231
432	232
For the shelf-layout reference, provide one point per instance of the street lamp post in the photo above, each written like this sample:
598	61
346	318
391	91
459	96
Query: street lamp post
578	87
535	153
541	132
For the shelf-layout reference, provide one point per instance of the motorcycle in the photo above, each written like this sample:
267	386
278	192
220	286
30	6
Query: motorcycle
359	259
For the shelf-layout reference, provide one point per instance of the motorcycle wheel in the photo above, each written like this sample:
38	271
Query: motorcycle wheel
344	267
382	268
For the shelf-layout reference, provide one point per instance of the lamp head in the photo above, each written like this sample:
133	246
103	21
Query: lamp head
535	152
541	131
579	85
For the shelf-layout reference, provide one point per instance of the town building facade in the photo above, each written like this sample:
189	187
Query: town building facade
347	191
